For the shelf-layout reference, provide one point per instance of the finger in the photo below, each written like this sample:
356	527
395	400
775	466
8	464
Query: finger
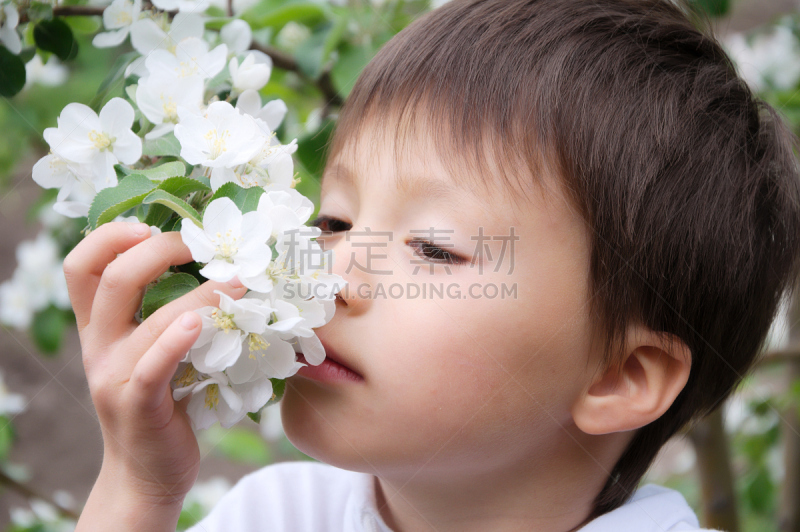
85	264
152	374
151	329
123	282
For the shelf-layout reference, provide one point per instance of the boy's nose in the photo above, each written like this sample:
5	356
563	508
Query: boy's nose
363	259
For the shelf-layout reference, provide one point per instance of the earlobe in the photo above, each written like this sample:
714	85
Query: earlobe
655	370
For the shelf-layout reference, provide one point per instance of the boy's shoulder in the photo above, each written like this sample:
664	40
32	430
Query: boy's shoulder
651	508
318	497
298	496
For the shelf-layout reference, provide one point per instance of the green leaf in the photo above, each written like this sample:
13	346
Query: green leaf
26	54
47	330
167	145
311	148
56	36
278	389
158	173
714	8
12	73
111	202
242	445
6	437
182	186
38	11
84	25
110	83
166	291
311	52
244	198
183	209
352	60
276	13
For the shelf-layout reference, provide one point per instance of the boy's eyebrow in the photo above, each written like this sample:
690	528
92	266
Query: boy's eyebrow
407	185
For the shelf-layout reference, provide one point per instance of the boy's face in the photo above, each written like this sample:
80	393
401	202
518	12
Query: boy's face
462	382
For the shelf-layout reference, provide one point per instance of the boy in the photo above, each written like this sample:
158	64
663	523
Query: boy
654	203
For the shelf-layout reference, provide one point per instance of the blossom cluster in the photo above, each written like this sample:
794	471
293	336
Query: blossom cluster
200	90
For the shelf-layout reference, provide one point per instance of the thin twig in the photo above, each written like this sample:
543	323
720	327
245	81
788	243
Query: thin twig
30	493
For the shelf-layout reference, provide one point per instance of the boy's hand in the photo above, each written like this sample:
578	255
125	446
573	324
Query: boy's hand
151	454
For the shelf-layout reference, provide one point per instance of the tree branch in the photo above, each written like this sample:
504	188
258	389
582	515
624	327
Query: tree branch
30	493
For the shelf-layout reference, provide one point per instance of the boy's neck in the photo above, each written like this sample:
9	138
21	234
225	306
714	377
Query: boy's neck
553	493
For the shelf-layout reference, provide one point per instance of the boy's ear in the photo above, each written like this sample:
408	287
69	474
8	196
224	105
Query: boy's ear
653	373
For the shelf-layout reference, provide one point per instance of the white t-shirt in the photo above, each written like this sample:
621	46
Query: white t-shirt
316	497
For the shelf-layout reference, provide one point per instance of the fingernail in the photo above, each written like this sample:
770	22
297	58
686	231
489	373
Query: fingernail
188	321
141	229
235	282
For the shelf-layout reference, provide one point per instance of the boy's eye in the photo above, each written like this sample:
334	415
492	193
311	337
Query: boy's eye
333	225
425	249
433	253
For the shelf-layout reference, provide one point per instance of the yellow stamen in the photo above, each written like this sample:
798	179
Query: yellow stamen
212	396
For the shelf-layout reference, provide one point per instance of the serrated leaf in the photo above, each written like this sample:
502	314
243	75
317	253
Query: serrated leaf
166	199
47	330
167	290
56	36
167	145
159	173
182	186
12	73
244	198
111	202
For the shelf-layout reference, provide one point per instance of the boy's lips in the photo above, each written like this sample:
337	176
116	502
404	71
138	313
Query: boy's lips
333	356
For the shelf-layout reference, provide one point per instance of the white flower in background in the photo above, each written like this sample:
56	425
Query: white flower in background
10	403
206	494
100	142
224	329
771	59
118	18
50	219
271	426
237	35
15	305
148	35
292	34
252	73
40	269
9	18
230	243
183	6
222	137
50	74
76	204
41	516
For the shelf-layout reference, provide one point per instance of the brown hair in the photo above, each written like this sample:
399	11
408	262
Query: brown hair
688	183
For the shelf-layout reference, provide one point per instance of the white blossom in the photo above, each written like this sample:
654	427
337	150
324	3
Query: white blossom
271	425
75	182
148	35
16	309
770	59
9	18
50	74
221	137
237	35
252	73
230	243
100	142
118	18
